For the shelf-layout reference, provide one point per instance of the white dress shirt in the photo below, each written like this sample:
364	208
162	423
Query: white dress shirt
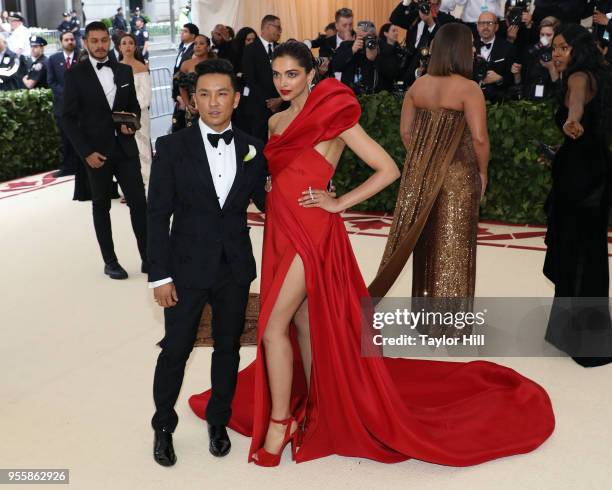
265	44
420	29
179	56
107	80
473	8
486	52
222	164
69	56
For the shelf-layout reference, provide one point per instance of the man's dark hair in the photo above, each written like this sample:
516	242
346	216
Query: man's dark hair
268	19
64	33
95	26
192	28
217	66
343	12
330	26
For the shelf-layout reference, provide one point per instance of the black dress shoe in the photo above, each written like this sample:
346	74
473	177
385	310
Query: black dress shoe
115	271
220	443
144	268
163	450
62	173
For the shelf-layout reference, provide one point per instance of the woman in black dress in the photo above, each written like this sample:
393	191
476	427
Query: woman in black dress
579	203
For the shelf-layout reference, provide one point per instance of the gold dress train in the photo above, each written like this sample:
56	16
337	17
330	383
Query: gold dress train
436	213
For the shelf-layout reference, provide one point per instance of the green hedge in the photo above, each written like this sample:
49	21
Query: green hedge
29	139
518	179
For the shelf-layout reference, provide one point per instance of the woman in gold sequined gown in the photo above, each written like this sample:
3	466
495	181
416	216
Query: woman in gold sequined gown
444	130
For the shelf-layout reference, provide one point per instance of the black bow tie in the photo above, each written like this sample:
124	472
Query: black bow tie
487	45
214	138
108	63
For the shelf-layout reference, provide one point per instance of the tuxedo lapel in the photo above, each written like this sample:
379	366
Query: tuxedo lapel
94	82
195	144
241	150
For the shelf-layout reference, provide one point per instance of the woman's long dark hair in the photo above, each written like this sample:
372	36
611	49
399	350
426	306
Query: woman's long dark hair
238	46
137	52
586	57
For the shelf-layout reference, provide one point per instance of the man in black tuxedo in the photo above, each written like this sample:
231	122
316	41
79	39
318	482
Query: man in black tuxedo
342	31
59	63
222	42
263	99
499	56
204	178
185	52
94	89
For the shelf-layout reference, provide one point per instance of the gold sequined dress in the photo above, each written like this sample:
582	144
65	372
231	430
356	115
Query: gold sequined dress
436	214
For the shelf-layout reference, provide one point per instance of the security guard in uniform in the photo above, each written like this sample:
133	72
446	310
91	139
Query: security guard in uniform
65	25
12	68
142	38
75	28
37	74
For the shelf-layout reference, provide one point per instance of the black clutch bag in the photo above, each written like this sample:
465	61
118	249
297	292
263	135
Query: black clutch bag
130	119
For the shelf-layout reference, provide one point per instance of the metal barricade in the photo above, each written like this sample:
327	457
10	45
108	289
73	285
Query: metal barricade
161	102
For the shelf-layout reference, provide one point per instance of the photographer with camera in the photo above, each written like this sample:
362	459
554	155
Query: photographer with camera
536	76
354	62
335	34
517	25
422	19
602	25
407	14
390	57
494	58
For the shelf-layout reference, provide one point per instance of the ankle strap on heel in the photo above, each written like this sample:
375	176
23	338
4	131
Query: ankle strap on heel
283	422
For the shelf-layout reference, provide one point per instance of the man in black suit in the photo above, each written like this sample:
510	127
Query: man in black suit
342	31
204	178
221	42
59	63
499	56
185	52
263	99
94	89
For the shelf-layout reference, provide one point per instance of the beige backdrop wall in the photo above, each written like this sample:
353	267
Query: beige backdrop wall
304	19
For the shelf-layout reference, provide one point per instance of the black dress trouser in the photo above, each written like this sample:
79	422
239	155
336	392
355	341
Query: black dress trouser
228	301
127	171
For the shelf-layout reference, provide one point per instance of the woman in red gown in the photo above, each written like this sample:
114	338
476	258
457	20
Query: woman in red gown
310	384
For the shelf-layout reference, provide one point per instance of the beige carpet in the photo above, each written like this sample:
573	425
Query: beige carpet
78	352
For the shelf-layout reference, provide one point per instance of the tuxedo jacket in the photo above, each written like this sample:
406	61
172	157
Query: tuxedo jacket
86	115
181	187
257	72
501	58
187	55
56	72
327	46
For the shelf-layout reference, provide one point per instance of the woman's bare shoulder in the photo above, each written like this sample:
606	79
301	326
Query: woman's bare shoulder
140	67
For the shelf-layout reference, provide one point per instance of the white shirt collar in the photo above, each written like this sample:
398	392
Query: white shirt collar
339	40
94	61
265	43
491	41
68	55
186	46
205	129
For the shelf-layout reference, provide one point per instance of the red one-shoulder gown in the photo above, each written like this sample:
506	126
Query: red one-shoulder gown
385	409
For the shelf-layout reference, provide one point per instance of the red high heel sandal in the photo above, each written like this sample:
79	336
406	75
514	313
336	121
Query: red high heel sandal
264	458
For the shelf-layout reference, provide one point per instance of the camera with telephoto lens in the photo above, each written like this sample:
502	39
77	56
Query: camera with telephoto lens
424	57
370	40
517	9
481	67
423	6
540	51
